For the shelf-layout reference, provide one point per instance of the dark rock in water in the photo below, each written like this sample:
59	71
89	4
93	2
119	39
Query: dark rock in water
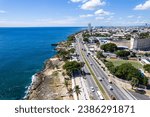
54	44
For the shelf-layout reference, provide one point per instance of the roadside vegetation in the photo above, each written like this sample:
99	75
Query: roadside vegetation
64	52
86	40
110	47
77	90
72	67
122	53
144	35
100	55
127	71
147	68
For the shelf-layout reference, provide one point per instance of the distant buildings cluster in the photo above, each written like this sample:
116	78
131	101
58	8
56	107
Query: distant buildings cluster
133	34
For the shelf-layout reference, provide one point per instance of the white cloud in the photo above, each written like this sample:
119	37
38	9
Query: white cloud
2	11
99	18
144	6
92	4
86	16
101	12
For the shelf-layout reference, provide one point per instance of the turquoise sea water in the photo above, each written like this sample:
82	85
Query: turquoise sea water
22	54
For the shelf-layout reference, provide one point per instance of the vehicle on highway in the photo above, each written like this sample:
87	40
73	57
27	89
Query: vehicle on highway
140	90
110	87
89	53
113	97
91	63
92	89
110	81
100	95
100	79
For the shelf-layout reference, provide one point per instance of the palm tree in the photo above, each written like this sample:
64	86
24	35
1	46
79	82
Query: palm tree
134	82
77	89
66	83
70	92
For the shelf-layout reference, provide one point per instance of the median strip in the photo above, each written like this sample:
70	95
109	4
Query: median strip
95	79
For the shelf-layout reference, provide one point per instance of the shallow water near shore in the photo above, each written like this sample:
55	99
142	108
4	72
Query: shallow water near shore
22	54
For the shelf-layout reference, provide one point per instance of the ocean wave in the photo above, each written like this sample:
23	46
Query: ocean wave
27	92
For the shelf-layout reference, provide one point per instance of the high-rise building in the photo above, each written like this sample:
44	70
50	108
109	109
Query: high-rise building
90	27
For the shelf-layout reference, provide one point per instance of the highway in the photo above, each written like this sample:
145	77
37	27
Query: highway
117	92
89	80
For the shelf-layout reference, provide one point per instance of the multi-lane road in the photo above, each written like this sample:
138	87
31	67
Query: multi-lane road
89	81
111	89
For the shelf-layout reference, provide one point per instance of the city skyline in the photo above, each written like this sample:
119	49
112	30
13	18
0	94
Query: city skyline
74	12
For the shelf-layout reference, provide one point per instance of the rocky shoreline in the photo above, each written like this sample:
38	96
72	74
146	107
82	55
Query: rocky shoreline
49	83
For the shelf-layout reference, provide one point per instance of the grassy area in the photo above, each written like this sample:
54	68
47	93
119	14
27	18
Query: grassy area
97	82
117	62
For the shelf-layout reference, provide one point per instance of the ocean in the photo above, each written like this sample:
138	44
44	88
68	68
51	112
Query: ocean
22	54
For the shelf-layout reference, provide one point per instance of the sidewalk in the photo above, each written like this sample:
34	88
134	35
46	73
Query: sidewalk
84	93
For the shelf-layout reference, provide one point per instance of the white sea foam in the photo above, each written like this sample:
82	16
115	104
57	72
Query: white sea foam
33	79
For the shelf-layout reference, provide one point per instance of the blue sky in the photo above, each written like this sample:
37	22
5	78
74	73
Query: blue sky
74	12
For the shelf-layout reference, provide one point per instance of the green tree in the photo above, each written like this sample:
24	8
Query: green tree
99	55
134	82
144	35
72	50
110	67
126	71
77	89
110	47
86	40
122	53
71	38
63	54
145	81
72	67
86	35
147	68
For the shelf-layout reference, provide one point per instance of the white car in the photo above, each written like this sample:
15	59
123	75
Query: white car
110	81
110	87
100	79
92	89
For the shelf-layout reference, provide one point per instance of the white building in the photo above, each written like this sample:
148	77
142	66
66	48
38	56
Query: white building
139	44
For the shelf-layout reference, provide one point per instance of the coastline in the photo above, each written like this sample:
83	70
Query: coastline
48	84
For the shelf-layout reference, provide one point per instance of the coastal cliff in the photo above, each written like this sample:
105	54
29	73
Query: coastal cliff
49	83
53	82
